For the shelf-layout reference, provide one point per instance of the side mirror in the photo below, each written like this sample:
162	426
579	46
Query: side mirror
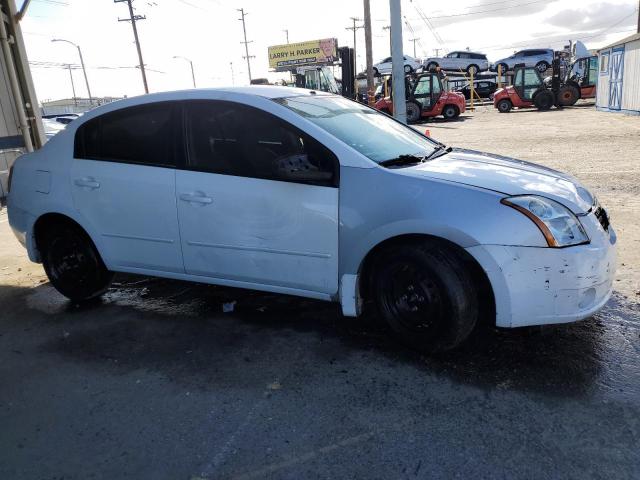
299	168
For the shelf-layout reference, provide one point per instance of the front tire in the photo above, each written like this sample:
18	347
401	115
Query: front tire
72	263
568	95
450	111
408	69
504	106
426	295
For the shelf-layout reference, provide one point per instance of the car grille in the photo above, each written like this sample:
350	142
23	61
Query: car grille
603	218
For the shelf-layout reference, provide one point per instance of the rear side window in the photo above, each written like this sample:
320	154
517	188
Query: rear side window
479	56
233	139
142	134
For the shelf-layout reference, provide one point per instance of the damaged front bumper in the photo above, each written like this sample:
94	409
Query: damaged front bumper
538	286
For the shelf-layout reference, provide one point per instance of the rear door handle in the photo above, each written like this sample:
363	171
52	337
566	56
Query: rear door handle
87	182
197	197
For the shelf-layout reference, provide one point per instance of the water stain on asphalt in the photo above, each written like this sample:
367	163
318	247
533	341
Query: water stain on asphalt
180	330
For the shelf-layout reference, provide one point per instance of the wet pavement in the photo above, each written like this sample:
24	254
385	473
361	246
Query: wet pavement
155	381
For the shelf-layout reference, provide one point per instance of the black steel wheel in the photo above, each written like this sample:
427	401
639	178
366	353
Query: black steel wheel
73	264
426	295
504	105
450	111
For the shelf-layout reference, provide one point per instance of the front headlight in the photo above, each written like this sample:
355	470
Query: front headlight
560	227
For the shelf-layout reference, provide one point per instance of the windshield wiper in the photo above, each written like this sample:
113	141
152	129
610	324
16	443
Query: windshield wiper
405	159
438	152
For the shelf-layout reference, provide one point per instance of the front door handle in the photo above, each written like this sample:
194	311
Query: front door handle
197	197
87	182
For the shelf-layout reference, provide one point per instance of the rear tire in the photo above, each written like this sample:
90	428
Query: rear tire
431	66
505	68
450	111
408	69
544	99
73	264
414	111
542	66
426	295
504	105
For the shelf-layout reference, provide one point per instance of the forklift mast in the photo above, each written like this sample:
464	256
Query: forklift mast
348	72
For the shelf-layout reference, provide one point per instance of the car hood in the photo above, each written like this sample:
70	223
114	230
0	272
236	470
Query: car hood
506	175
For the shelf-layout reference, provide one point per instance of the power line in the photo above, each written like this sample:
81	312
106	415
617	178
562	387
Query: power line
133	19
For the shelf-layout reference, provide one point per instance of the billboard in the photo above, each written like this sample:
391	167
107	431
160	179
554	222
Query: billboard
282	57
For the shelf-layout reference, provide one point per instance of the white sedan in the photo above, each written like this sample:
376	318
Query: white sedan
384	66
303	193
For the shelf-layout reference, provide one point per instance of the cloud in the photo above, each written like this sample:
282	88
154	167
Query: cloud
600	16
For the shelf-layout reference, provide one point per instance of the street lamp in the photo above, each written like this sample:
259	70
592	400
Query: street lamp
86	80
193	75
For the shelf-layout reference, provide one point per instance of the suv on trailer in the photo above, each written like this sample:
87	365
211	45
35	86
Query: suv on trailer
540	58
456	61
305	193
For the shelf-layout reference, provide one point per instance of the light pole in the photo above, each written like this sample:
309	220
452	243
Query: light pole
84	71
193	75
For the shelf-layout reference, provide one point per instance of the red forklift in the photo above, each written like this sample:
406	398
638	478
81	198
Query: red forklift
529	89
580	80
427	96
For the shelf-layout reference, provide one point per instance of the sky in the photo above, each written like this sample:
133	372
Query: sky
209	33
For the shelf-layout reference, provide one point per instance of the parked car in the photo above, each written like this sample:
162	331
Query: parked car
310	194
384	66
456	61
483	88
540	58
51	127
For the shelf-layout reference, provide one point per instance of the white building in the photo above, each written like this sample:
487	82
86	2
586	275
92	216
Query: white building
619	77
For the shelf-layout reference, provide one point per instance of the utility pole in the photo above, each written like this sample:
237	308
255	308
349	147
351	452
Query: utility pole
397	62
286	32
355	58
133	19
233	80
437	50
73	87
414	40
388	28
368	50
246	43
638	16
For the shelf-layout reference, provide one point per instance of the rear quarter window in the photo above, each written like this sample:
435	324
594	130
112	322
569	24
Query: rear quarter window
143	134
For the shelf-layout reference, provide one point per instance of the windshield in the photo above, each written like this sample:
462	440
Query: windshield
368	131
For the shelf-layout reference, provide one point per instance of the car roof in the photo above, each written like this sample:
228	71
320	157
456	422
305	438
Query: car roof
263	91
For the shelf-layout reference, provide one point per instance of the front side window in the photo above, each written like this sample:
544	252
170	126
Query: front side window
423	87
233	139
371	133
142	134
